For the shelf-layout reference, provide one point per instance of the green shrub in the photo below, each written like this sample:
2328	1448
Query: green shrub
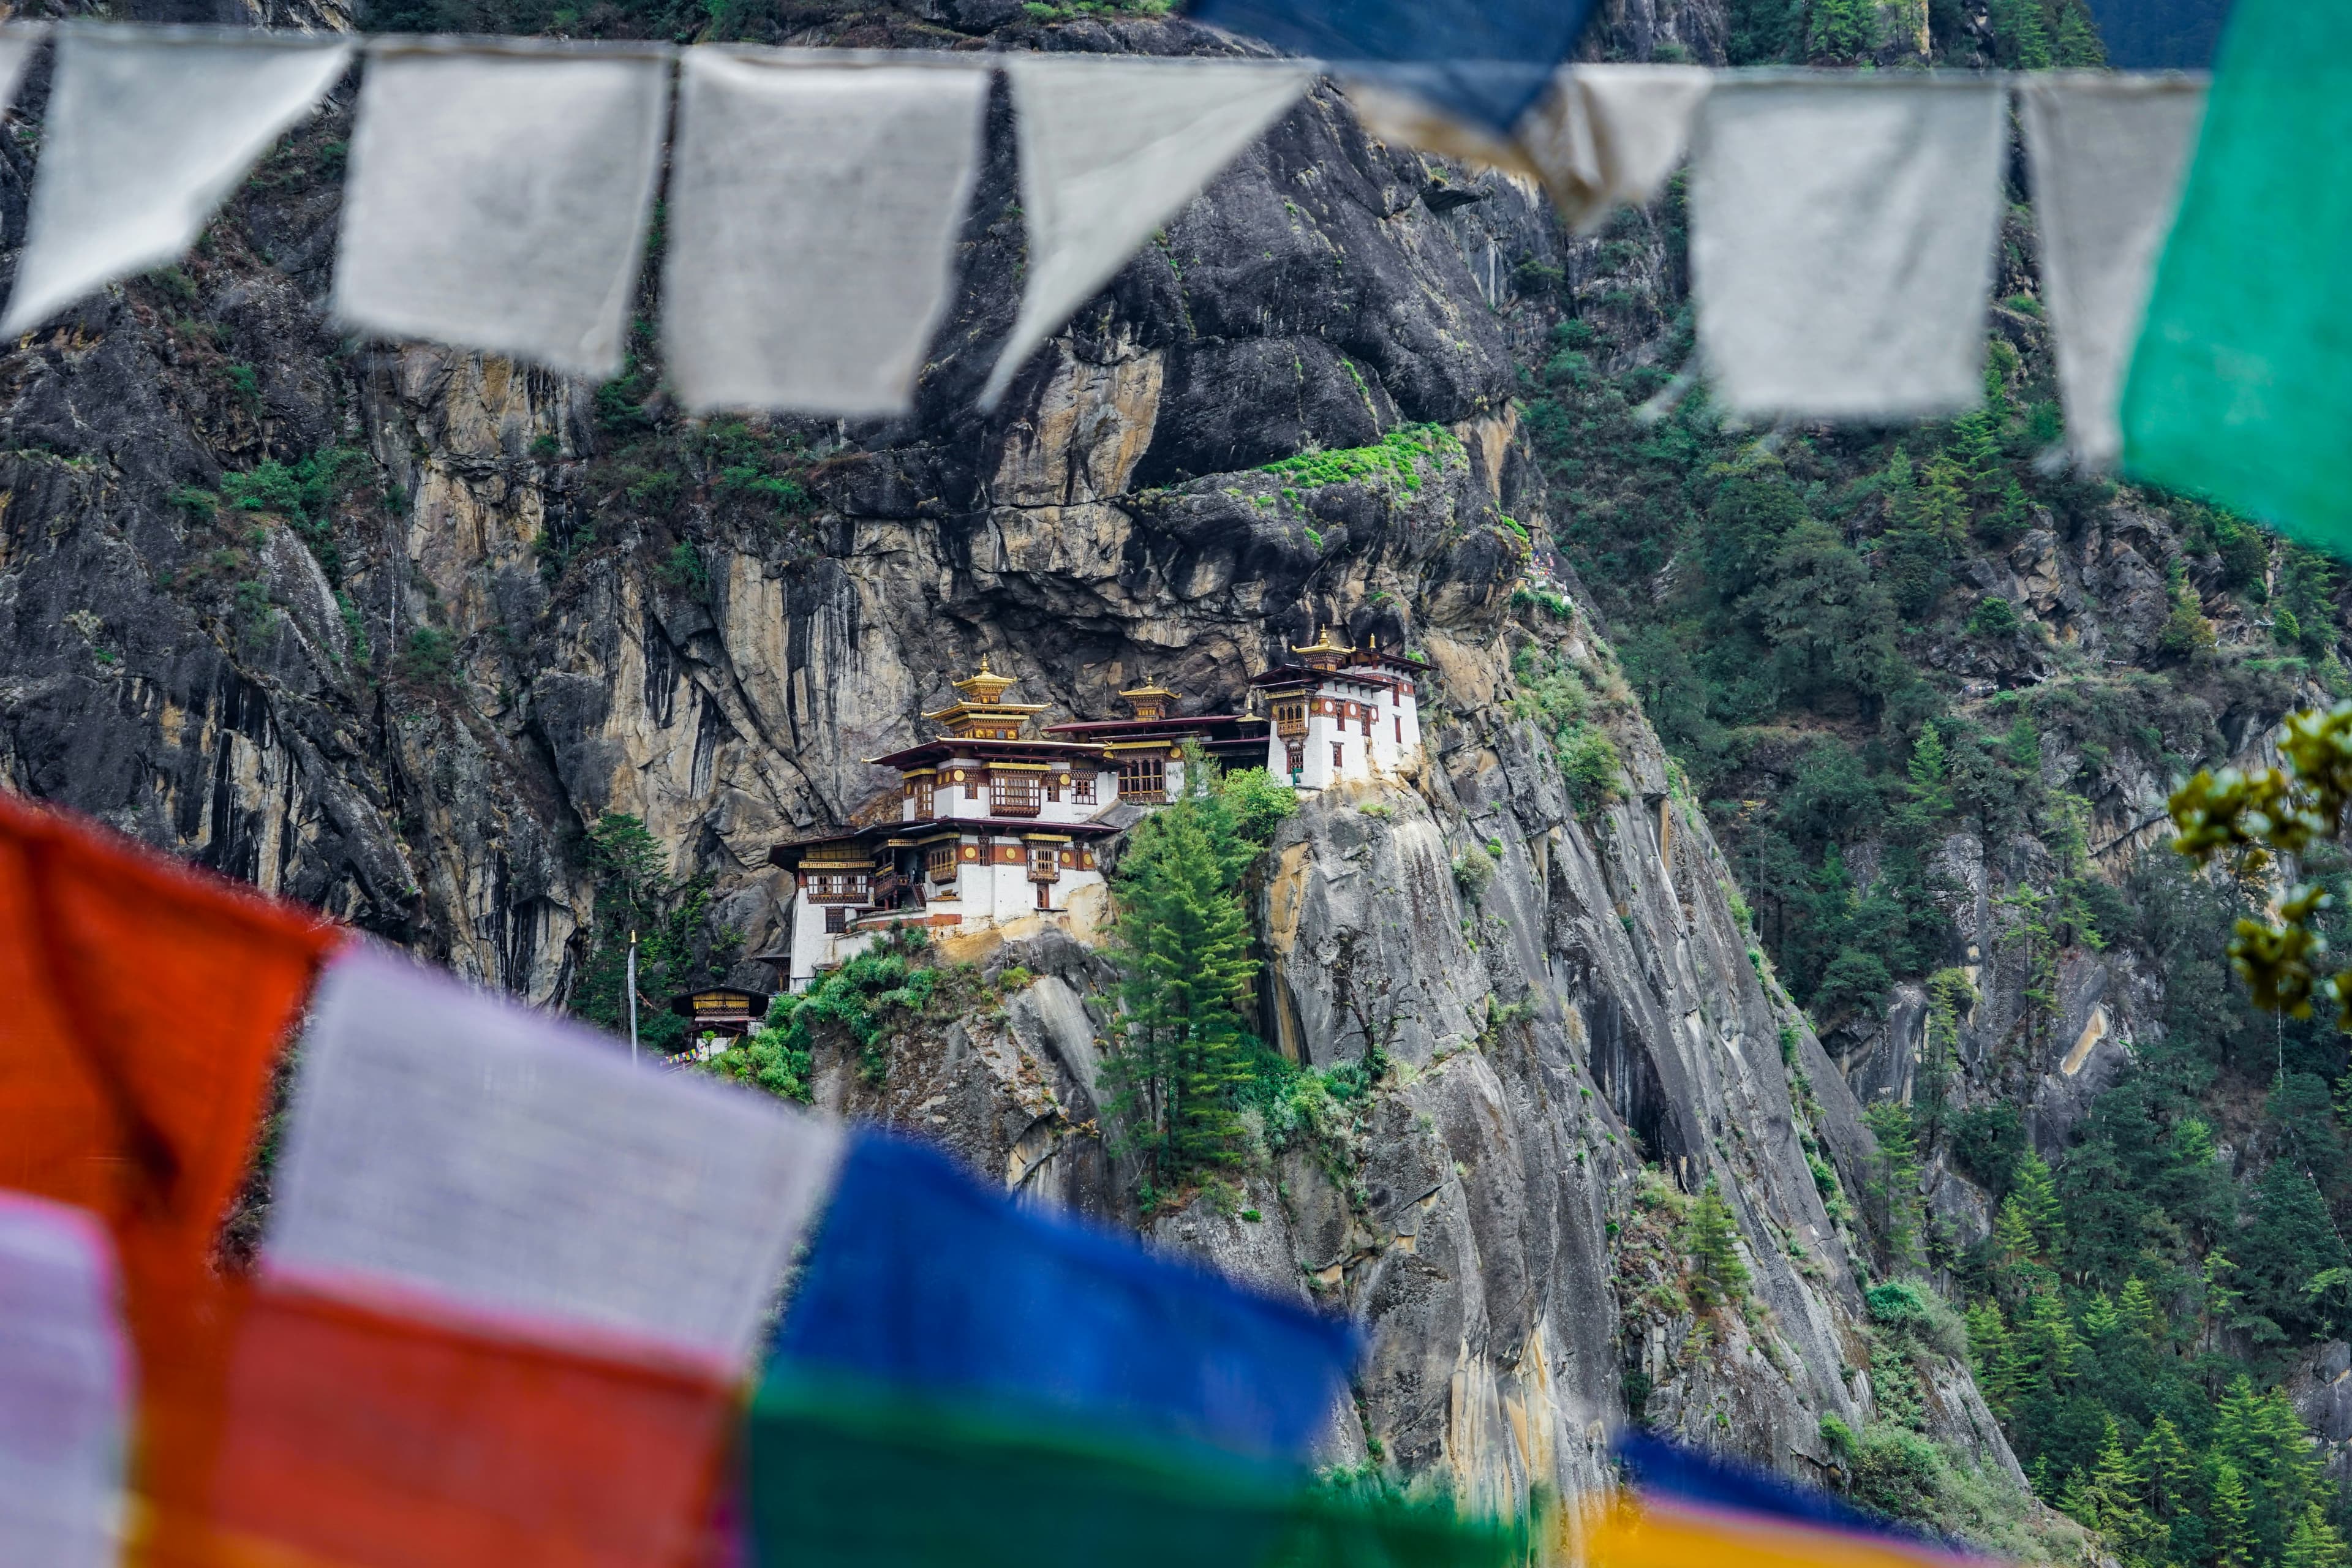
1591	769
1995	617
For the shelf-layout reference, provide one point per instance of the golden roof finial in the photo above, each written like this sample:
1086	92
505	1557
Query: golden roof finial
987	689
1323	650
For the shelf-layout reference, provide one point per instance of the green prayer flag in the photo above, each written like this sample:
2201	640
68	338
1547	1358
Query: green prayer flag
2240	387
857	1475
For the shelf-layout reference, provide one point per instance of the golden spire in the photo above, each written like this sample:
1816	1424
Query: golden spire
1149	700
986	688
1323	653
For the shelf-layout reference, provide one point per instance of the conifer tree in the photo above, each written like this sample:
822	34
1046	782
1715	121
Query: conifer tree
2171	1469
2099	1318
2118	1493
1711	1236
2037	1195
1182	944
2232	1519
2136	1309
1892	1186
2313	1543
2077	45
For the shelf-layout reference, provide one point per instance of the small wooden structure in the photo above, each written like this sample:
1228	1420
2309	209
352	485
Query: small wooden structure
724	1010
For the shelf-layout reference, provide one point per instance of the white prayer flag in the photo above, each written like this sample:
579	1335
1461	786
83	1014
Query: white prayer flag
521	1166
17	42
1843	235
498	193
1607	136
64	1388
1111	149
149	130
2108	154
813	216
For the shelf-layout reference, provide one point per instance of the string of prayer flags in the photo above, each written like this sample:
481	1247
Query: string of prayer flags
1110	150
492	1224
1483	61
499	196
2108	154
147	132
814	281
64	1377
517	1167
2241	386
924	1282
1842	247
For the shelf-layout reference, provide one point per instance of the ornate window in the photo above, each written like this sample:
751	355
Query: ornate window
835	886
923	793
1142	777
1082	789
1013	794
940	861
1339	756
1290	716
1298	759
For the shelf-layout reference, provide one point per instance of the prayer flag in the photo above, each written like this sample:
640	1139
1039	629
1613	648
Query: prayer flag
1843	235
1692	1511
1110	150
812	222
148	129
63	1388
17	42
2240	387
373	1430
2108	153
519	1167
1486	61
499	196
923	1281
830	1466
1607	136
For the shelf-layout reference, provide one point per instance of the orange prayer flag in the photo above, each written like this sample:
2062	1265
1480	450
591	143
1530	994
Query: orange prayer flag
398	1433
146	1002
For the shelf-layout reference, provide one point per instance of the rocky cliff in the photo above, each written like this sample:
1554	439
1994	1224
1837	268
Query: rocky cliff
385	628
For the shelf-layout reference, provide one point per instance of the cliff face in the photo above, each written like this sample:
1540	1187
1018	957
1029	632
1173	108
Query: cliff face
383	628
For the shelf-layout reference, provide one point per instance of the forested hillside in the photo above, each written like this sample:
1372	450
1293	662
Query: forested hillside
1933	687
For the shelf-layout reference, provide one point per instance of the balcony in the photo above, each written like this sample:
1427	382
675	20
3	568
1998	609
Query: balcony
1043	873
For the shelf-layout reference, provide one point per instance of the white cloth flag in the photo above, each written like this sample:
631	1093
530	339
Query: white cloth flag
1843	235
520	1166
2108	154
498	193
64	1388
1110	150
1608	136
1601	137
813	216
149	130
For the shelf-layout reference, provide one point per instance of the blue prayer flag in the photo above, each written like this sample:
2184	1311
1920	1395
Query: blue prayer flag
1487	61
924	1280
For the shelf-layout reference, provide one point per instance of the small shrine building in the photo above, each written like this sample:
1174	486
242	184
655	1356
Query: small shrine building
990	824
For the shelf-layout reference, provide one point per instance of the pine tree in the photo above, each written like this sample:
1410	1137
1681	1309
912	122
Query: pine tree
2037	1195
2233	1518
1182	944
1892	1187
2099	1318
2171	1469
2136	1309
2077	46
2315	1542
2022	34
2118	1492
1711	1236
1990	1357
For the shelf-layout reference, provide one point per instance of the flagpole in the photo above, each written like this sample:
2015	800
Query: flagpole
633	996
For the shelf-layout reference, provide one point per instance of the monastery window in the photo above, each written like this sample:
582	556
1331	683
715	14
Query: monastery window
925	804
1297	760
1044	864
1339	756
1052	789
1142	778
837	920
1365	713
939	860
1398	723
1290	716
1014	794
1082	789
837	887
